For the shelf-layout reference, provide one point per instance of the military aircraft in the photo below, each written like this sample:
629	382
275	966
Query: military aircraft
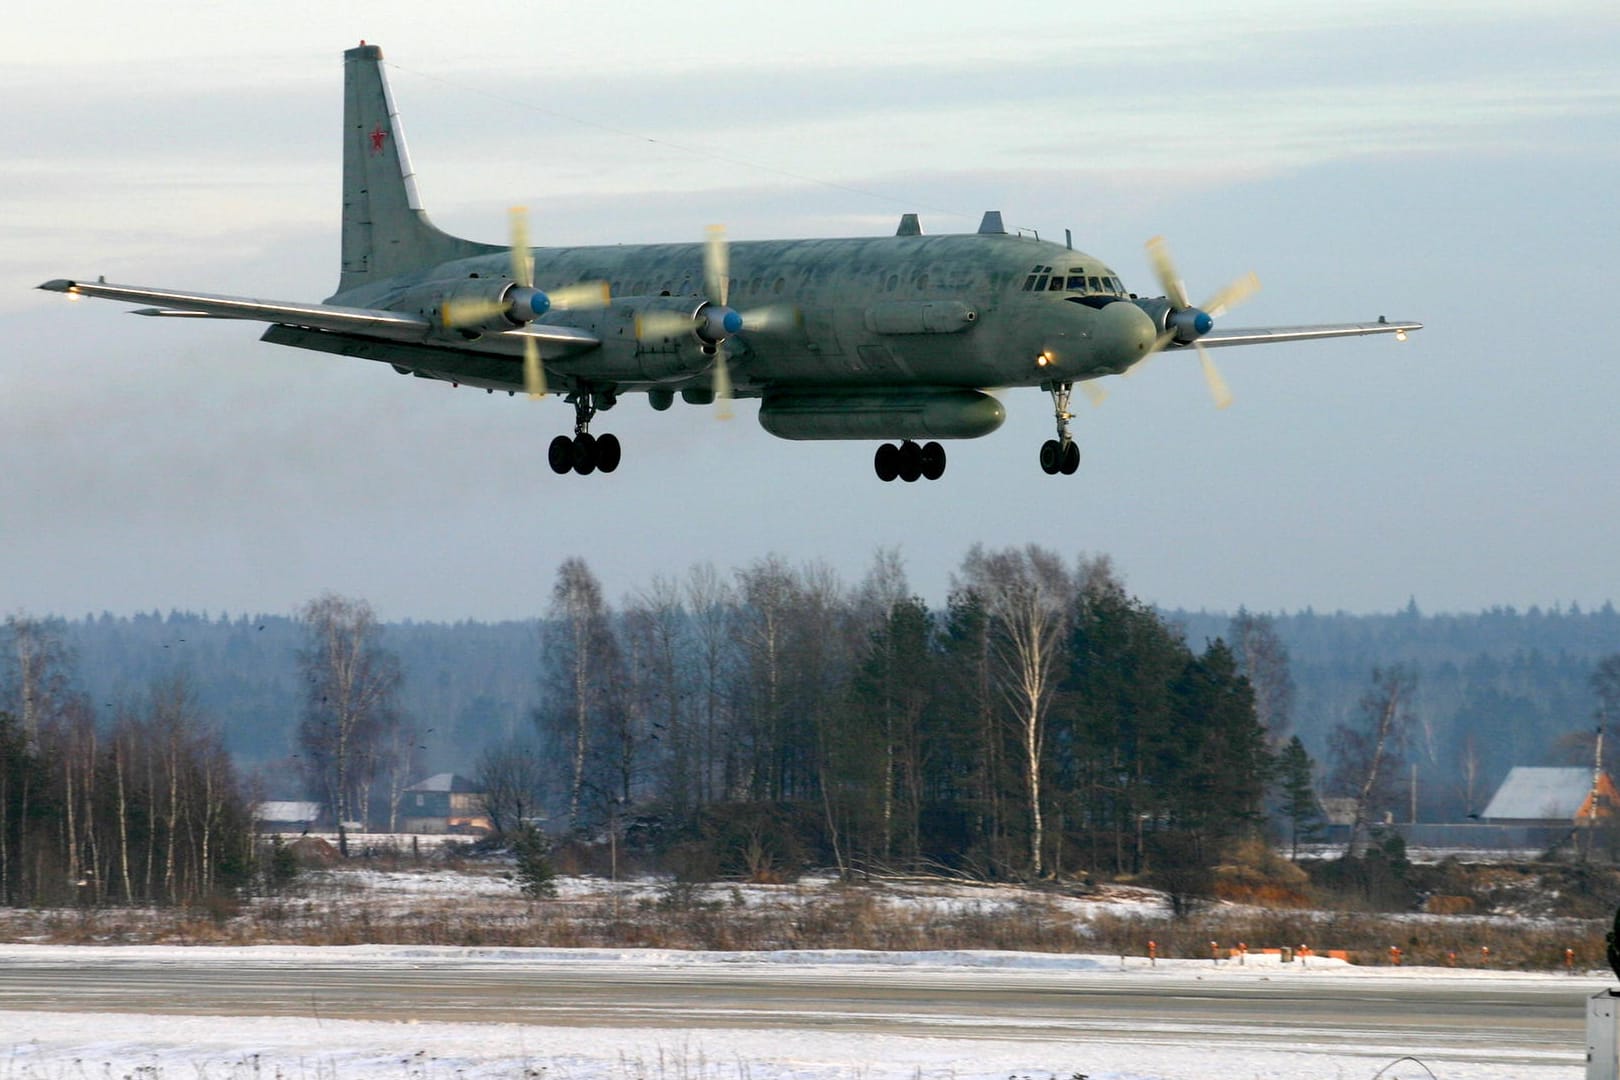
901	338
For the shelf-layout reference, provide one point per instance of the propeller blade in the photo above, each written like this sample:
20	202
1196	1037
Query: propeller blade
522	254
657	324
1212	376
534	372
774	317
1233	294
1158	346
717	266
471	311
1165	269
1094	393
721	380
581	297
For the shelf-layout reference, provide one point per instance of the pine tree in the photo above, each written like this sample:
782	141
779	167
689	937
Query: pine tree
1300	807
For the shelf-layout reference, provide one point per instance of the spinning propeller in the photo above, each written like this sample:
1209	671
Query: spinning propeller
715	320
1185	324
522	303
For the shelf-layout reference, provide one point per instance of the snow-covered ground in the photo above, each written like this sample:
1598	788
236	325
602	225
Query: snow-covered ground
49	1045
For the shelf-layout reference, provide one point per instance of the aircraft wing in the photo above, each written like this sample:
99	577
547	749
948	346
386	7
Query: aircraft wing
367	322
1269	334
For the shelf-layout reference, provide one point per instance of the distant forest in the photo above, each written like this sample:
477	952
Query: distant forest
1494	689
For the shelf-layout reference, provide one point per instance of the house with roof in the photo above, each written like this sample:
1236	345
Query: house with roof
444	803
284	816
1548	797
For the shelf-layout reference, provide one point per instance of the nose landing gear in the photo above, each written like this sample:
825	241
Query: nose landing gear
909	462
1062	454
585	453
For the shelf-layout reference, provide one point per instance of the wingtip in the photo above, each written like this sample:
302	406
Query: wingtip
57	285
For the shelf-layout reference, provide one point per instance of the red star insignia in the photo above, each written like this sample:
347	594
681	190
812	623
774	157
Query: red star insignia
377	137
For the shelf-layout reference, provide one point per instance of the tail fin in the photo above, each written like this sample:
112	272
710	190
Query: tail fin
385	231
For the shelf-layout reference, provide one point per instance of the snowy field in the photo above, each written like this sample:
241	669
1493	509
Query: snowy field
60	1045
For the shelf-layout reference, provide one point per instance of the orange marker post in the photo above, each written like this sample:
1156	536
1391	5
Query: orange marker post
1153	954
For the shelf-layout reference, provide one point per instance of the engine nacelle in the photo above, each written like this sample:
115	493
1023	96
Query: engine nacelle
473	305
922	414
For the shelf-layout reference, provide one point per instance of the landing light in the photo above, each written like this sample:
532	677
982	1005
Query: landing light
1400	335
1044	359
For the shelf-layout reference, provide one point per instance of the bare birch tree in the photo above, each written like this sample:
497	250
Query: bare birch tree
1367	753
1028	595
350	704
581	658
36	672
713	607
1262	658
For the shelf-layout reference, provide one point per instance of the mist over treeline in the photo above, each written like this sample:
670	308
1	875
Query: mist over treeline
1493	689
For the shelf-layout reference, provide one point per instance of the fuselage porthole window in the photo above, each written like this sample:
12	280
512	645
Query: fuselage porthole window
922	282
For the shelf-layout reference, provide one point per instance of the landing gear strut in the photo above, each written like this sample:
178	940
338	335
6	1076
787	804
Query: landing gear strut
1062	454
909	462
585	453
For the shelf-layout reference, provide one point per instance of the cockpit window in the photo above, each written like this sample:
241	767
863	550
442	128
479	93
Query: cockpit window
1040	283
1057	282
1096	284
1077	283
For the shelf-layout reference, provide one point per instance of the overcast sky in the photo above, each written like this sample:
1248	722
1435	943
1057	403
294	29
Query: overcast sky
1456	163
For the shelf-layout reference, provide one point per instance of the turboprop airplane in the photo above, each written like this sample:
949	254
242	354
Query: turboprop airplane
899	339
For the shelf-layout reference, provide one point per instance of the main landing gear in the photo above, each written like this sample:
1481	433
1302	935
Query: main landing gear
585	453
1062	454
908	461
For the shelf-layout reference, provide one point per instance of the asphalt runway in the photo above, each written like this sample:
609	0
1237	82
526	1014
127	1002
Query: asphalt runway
1497	1020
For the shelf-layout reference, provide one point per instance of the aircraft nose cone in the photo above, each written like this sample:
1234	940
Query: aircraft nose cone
1124	332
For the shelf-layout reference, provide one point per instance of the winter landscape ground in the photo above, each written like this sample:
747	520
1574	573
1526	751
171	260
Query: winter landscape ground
148	1046
1288	1020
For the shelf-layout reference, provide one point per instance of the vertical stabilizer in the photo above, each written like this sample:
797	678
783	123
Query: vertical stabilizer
385	231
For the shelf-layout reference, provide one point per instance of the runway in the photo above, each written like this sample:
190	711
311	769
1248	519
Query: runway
1502	1020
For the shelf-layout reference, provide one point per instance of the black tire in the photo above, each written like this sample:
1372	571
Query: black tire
910	461
1051	457
561	455
608	453
933	460
1071	458
584	453
886	462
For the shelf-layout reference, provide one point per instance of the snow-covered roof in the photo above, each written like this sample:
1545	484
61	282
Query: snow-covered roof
446	781
287	811
1540	794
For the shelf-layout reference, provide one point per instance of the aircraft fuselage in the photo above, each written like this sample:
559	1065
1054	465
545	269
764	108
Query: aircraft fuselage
953	311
